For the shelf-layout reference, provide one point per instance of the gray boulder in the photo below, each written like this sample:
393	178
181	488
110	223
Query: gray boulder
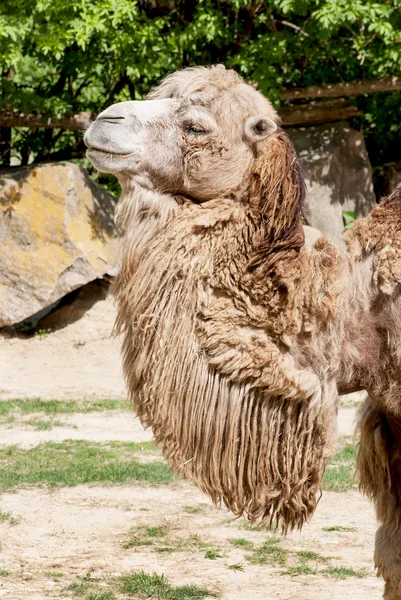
337	172
57	234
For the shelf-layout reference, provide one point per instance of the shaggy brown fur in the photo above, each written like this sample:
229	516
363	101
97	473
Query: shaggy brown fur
222	392
236	336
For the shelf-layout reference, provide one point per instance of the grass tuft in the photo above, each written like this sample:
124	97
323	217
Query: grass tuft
242	542
156	537
6	517
44	425
236	567
159	531
141	536
269	553
213	554
344	572
55	575
192	509
101	596
4	573
339	528
79	588
149	587
301	569
306	555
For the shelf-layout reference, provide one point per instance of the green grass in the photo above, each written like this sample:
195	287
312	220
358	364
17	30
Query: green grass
4	573
344	572
236	567
253	527
269	553
55	575
144	586
301	569
242	542
339	528
6	517
79	588
158	531
213	554
158	538
52	407
306	555
75	462
350	402
101	596
44	425
142	536
192	509
340	473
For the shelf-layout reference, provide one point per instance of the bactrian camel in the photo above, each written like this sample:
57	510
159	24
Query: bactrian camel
237	337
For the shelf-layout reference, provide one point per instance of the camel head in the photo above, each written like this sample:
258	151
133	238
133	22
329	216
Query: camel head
196	134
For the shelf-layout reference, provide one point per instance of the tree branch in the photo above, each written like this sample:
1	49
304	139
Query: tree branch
350	88
304	114
76	122
315	113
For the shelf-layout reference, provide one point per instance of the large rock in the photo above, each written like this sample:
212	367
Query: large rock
337	172
57	234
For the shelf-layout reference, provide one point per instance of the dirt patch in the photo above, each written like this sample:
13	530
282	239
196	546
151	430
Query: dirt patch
123	427
82	530
78	361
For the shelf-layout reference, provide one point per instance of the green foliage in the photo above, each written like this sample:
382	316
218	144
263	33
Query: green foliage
61	57
42	333
349	218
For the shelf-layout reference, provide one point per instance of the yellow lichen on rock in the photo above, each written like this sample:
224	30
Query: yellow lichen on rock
57	234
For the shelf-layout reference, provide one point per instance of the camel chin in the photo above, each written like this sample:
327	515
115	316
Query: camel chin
112	162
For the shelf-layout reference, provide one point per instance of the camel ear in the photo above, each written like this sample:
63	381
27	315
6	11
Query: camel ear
258	128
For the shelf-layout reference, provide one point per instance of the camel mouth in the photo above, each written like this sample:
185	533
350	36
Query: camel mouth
93	151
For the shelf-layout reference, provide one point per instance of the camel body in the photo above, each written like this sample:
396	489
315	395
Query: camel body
237	337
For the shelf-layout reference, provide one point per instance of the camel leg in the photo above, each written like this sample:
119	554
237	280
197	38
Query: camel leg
379	464
388	560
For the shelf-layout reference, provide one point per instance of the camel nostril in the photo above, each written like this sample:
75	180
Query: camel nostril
110	118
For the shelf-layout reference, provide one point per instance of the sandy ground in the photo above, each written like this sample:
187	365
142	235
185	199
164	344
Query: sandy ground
75	531
81	360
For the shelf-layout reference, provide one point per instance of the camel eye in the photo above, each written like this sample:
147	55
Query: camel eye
195	130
